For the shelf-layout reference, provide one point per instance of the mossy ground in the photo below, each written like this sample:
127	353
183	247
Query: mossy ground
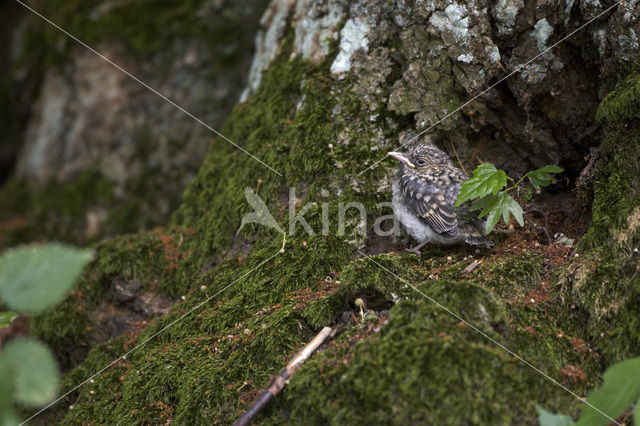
62	211
243	309
605	282
209	360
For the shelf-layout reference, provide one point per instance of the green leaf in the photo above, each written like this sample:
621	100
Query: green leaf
542	177
34	277
620	389
486	180
7	317
35	373
515	209
492	220
546	418
7	416
494	206
483	204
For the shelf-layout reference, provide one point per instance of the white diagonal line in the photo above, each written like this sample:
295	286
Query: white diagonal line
467	323
516	70
127	73
123	356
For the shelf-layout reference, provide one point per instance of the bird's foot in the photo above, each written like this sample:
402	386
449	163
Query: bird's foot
414	250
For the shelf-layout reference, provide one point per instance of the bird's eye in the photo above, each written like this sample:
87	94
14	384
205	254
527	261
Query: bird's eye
421	162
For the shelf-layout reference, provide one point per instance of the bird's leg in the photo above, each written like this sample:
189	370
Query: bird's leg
416	250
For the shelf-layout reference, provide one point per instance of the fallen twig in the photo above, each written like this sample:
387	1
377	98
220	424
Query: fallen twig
472	266
280	380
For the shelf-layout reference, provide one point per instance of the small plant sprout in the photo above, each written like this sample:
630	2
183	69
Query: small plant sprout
495	194
360	304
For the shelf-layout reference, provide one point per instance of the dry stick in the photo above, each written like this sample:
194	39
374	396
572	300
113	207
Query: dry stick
281	380
472	266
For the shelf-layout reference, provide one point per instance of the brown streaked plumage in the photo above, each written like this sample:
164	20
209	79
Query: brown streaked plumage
424	195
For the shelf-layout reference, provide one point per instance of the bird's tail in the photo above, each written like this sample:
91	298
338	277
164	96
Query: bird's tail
472	230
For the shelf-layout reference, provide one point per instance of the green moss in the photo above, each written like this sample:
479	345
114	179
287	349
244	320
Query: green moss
142	33
144	258
211	363
197	367
422	367
623	103
241	320
54	210
616	190
373	281
80	211
604	283
617	187
293	141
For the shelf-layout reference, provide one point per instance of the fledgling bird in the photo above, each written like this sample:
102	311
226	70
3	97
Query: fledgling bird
424	196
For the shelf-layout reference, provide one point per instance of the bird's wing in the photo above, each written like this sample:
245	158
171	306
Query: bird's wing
432	199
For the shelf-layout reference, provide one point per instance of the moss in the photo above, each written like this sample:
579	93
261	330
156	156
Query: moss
366	280
142	258
293	141
241	320
211	349
142	33
54	210
424	366
623	103
81	211
603	284
212	363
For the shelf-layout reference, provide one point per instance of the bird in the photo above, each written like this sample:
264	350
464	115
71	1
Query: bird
424	193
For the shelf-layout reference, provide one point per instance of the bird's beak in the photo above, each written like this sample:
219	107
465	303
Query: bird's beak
401	157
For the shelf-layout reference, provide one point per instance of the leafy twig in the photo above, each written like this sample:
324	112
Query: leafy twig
489	190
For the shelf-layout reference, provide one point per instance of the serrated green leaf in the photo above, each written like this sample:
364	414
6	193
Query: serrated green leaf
7	317
492	219
35	373
34	277
500	204
483	204
486	180
620	389
515	209
545	418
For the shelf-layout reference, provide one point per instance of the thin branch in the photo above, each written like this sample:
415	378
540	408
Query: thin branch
282	379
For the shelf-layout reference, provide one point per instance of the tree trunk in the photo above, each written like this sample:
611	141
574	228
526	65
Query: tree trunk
334	85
